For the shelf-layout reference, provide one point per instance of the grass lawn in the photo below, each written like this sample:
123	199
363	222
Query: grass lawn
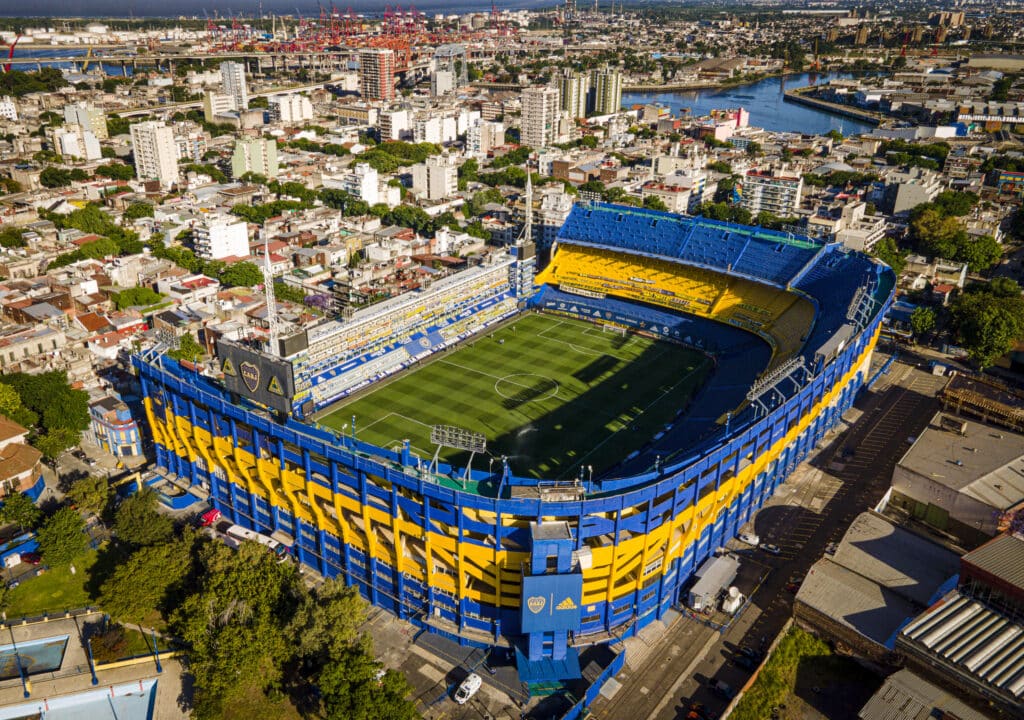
551	393
804	679
55	590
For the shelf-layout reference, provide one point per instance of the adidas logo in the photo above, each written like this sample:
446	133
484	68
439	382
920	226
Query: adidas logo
566	604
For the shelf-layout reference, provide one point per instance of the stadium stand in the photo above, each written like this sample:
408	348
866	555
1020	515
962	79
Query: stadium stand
762	255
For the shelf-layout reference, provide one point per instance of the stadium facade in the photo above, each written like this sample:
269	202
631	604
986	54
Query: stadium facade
552	566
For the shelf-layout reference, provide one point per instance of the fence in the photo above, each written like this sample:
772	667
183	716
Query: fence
579	709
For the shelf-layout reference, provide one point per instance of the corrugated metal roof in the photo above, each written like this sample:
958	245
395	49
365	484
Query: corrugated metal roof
905	696
1002	556
979	641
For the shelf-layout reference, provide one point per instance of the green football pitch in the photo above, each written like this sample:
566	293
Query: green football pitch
552	394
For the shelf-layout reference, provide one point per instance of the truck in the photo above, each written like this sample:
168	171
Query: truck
716	574
240	533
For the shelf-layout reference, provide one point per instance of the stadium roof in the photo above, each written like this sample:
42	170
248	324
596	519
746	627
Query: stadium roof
763	255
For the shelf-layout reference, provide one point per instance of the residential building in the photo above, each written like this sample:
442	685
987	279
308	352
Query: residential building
394	124
219	237
377	73
8	109
483	136
436	178
575	92
155	151
191	142
768	191
675	196
906	189
361	181
232	75
291	108
606	88
215	103
114	429
255	155
540	116
20	468
428	129
90	118
75	141
449	69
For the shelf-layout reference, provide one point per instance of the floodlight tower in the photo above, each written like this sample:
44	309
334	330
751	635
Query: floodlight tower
268	294
527	234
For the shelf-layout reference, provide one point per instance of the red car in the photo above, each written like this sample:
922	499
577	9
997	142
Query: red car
31	558
209	517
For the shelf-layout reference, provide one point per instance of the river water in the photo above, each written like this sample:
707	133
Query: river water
763	100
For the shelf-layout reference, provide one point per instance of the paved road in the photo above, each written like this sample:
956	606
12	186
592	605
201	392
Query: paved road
668	667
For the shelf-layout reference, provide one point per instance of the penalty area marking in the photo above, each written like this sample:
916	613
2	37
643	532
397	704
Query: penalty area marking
547	388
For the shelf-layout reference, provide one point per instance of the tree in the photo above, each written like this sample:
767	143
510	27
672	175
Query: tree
139	523
50	396
19	509
957	203
980	253
62	537
138	210
188	349
233	623
351	691
887	251
116	171
53	177
935	233
652	202
147	579
137	297
56	441
922	321
327	623
988	325
241	274
11	407
90	494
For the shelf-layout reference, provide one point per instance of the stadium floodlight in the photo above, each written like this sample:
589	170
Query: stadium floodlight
459	439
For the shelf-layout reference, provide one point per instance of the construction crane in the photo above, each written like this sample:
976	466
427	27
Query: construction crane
10	53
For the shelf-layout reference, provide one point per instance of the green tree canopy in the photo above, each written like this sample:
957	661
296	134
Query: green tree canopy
90	493
19	509
241	274
188	349
54	177
116	171
148	579
139	523
134	297
62	537
988	325
922	320
138	210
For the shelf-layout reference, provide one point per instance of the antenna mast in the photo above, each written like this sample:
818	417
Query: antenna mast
527	235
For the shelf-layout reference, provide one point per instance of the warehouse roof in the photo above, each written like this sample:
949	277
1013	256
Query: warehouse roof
979	642
905	696
984	463
1002	556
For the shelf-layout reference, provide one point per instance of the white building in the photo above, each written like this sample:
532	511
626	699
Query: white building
90	118
215	103
394	124
540	116
191	142
221	236
436	178
77	142
483	136
428	129
606	89
155	151
775	193
292	108
232	76
8	109
361	181
255	155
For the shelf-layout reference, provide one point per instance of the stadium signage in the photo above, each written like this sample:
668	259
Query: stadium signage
551	602
250	375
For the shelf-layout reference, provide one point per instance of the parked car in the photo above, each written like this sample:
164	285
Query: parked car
31	558
795	581
697	711
747	663
210	517
723	690
750	539
771	549
467	688
750	652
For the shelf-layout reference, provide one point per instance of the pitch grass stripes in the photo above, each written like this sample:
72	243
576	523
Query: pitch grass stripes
548	392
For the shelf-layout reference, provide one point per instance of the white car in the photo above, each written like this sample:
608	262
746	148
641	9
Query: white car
750	539
771	549
468	688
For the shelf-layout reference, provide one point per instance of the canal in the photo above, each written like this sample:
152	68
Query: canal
763	99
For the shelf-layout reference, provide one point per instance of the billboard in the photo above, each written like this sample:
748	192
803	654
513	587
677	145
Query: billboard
551	602
257	376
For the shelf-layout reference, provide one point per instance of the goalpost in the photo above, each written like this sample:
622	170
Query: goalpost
615	329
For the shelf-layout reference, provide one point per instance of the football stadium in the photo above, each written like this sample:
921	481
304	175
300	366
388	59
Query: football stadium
534	460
